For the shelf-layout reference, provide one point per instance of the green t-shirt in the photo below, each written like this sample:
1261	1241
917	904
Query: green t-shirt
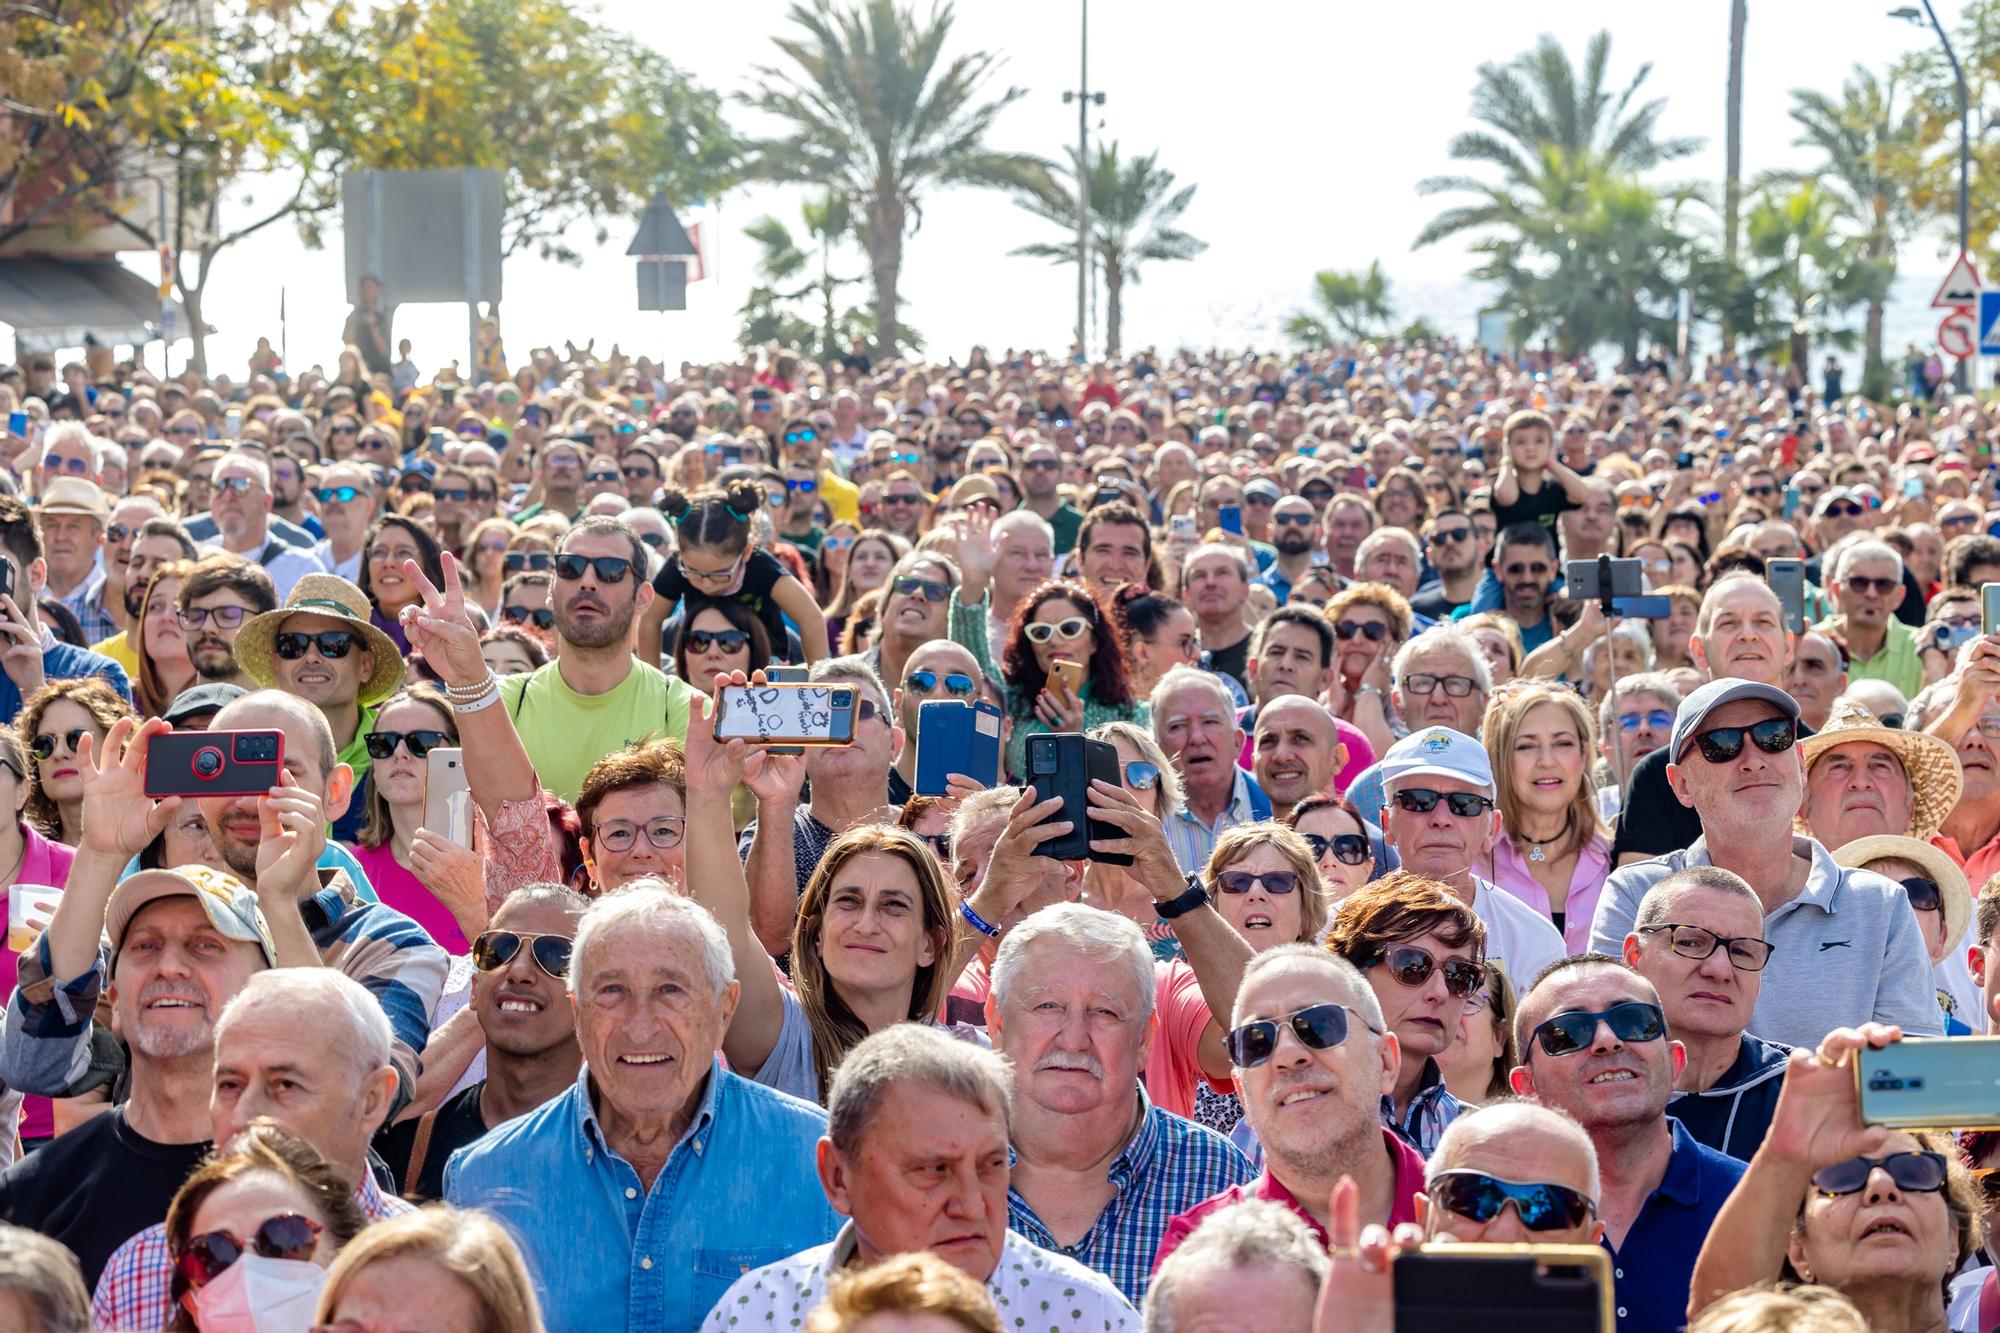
566	732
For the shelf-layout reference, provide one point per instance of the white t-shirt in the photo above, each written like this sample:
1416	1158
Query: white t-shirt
1517	936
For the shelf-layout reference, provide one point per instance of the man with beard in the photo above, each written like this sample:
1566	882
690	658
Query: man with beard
220	594
1298	751
1451	543
1295	535
72	515
595	697
1525	564
182	943
1595	1044
1214	584
157	542
242	511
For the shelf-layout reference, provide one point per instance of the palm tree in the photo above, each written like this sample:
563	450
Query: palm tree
1807	271
1550	130
1353	306
1873	156
781	263
1134	217
875	113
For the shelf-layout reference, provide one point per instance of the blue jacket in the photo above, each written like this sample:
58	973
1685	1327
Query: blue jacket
1733	1116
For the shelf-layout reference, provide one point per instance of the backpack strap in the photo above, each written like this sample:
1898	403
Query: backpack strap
418	1151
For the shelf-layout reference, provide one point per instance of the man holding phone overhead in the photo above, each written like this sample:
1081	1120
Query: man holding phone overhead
29	656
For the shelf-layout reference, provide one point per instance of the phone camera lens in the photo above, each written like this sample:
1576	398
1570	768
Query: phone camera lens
843	698
207	762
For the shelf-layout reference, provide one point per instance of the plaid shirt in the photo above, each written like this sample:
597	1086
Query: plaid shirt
1170	1165
1431	1112
86	603
136	1291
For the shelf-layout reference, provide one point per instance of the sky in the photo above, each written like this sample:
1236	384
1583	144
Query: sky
1307	127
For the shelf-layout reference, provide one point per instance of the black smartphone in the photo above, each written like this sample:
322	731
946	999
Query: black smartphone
534	414
1107	495
1788	580
1504	1289
6	578
1065	763
214	763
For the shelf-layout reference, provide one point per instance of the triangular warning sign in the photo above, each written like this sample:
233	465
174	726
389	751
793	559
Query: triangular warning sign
1960	286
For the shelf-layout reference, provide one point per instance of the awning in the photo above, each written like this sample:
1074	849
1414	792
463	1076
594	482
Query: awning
55	303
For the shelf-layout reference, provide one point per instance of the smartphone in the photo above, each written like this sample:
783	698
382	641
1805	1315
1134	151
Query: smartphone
447	799
534	414
1913	488
1504	1289
438	437
1065	763
1791	510
1230	519
1989	608
6	578
1788	580
1683	460
1107	495
232	421
787	675
1951	638
448	395
787	714
1582	581
954	736
1182	526
732	455
1931	1083
17	425
214	763
1070	673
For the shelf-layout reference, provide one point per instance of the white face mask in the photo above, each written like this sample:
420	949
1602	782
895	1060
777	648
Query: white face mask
260	1295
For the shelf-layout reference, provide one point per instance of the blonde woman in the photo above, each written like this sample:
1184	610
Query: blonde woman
1552	852
439	1267
1499	638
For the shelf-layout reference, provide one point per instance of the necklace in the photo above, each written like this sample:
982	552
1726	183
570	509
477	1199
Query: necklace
1535	845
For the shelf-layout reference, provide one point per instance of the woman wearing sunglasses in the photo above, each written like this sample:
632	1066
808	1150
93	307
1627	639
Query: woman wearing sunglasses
253	1231
1885	1217
720	637
1340	843
1424	954
1552	852
428	886
1370	622
159	642
1942	901
53	721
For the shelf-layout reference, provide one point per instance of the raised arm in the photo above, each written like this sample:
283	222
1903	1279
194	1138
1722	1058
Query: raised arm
118	822
796	601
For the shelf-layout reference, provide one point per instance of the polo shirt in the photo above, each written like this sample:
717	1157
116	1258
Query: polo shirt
1653	1271
1192	841
565	732
1068	524
1896	661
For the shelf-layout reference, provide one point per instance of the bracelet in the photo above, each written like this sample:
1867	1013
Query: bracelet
474	690
486	700
978	922
1360	690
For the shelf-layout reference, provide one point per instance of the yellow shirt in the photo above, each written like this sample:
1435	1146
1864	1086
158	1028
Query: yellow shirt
119	649
843	497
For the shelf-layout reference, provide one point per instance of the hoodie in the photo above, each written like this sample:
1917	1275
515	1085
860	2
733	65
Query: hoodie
1732	1116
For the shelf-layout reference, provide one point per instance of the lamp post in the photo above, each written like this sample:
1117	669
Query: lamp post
1084	99
1911	14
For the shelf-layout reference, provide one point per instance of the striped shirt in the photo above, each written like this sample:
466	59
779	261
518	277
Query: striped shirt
136	1291
1192	841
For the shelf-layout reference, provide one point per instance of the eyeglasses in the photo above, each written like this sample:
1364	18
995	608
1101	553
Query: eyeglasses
1277	883
1925	896
333	644
1347	848
1320	1027
1450	536
1480	1198
1774	735
608	568
1375	630
1917	1172
225	617
621	835
715	578
391	555
1072	628
729	640
382	744
909	586
1142	775
43	746
1412	966
1464	804
209	1255
1746	952
1630	1021
328	495
494	949
955	683
541	617
1422	682
1659	720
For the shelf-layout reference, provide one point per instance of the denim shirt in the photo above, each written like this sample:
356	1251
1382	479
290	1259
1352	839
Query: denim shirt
737	1192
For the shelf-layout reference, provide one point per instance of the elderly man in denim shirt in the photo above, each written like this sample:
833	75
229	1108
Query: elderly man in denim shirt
660	1178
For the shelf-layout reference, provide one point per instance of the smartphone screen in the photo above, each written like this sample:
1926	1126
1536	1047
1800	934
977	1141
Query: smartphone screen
1930	1083
1989	608
1230	519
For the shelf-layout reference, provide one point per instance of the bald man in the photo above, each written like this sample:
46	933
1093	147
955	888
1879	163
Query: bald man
1296	751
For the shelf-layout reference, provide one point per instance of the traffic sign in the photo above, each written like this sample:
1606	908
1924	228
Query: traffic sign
1958	334
1960	286
1989	323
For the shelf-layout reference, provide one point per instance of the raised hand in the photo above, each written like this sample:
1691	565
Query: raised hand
1818	1117
1141	837
1358	1295
455	876
292	834
1012	872
438	625
20	649
118	818
713	767
976	556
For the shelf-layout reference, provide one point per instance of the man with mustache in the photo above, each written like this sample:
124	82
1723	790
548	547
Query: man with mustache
219	595
156	542
1595	1044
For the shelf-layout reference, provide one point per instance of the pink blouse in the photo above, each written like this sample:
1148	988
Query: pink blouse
1512	872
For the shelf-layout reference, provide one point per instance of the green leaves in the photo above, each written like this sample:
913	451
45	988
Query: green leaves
1351	306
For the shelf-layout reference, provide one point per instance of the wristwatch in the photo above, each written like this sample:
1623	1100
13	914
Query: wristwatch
1190	898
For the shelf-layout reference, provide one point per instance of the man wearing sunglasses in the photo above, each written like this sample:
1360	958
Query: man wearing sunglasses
519	995
1453	548
1295	535
940	669
344	495
1595	1046
242	511
1846	944
1865	580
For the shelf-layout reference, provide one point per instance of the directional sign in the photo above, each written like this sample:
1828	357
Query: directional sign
1989	323
1958	334
1960	286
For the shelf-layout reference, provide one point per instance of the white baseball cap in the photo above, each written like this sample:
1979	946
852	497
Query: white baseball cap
1438	752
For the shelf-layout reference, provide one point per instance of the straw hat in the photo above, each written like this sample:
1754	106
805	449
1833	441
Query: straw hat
322	595
1953	892
1935	777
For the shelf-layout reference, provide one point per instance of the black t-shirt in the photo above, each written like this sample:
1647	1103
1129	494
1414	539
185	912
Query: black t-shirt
761	573
1432	602
458	1123
1652	820
1232	661
96	1187
1543	507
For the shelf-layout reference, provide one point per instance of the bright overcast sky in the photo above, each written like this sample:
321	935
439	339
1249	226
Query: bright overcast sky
1306	126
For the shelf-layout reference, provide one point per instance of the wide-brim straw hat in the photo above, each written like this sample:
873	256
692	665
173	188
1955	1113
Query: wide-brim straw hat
334	597
1954	893
1932	765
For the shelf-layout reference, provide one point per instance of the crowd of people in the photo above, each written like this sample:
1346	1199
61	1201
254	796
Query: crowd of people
1430	903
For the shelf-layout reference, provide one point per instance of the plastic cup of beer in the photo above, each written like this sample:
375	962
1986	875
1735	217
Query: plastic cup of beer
29	907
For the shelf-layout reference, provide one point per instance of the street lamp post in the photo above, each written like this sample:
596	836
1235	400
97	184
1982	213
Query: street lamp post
1084	99
1927	14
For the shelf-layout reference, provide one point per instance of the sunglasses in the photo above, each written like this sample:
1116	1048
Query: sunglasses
240	485
382	744
1042	464
541	617
1450	536
1346	848
1746	952
209	1255
1916	1172
1540	1206
225	617
602	474
1924	893
517	561
925	682
1464	804
43	746
800	436
1277	883
1630	1021
494	949
933	591
1842	511
1293	520
1412	966
1774	735
896	497
337	494
729	640
1374	630
638	473
1422	682
1320	1027
1142	775
805	486
1659	720
1071	628
332	644
621	835
457	494
608	568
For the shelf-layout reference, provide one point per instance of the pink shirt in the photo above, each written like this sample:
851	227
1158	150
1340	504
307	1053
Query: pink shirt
396	886
1173	1069
42	862
1512	872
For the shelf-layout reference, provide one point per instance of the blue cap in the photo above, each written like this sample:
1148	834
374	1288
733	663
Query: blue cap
420	467
1694	709
1438	752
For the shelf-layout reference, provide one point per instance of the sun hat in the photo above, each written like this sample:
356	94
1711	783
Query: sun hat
1932	765
1954	893
321	595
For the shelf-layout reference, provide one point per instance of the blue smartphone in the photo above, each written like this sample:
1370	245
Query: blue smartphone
956	737
1792	499
1230	519
17	425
